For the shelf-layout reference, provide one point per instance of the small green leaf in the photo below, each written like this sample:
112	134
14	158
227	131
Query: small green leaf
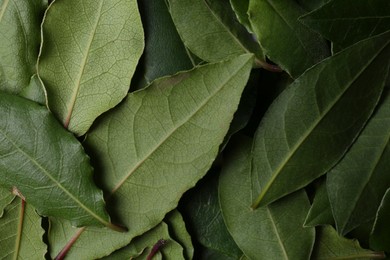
320	212
283	38
367	164
380	236
164	53
42	160
210	31
19	42
21	232
89	53
346	22
156	145
331	246
309	127
268	232
178	231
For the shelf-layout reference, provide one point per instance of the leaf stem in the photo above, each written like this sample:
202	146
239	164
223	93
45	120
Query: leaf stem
61	255
265	65
20	229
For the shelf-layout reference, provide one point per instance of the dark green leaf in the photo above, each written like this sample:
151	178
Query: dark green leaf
346	22
46	164
380	236
19	42
330	245
357	184
241	9
309	127
89	53
283	38
268	232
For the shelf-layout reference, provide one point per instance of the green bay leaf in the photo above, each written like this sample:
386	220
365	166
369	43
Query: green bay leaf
89	54
21	232
346	22
357	184
46	164
211	31
155	146
330	245
19	42
283	38
271	232
309	127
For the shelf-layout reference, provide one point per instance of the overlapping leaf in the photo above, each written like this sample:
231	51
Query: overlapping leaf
21	232
346	22
156	145
268	232
312	123
19	42
89	53
367	164
46	164
210	31
283	38
380	236
240	7
330	245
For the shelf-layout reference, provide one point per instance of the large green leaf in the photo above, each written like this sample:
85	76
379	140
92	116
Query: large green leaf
346	22
21	232
210	29
330	245
19	42
367	164
156	145
89	53
320	212
267	232
312	123
164	52
283	38
380	236
42	160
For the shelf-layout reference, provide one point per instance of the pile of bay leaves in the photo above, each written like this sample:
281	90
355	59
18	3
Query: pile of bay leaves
194	129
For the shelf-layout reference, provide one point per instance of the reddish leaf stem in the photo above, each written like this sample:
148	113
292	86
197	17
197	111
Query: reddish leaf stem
61	255
156	248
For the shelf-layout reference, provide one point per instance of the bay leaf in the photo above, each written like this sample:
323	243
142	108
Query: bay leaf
283	38
89	53
358	182
21	232
380	235
19	42
268	232
42	160
346	22
310	126
211	31
330	245
155	146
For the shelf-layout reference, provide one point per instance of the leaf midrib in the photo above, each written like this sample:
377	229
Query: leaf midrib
43	170
277	234
174	129
3	8
19	229
77	84
310	130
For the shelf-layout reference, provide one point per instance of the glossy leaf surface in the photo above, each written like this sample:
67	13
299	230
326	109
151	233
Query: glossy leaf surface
19	42
380	236
42	160
210	30
267	232
181	122
283	38
89	54
336	97
366	165
330	245
346	22
21	232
